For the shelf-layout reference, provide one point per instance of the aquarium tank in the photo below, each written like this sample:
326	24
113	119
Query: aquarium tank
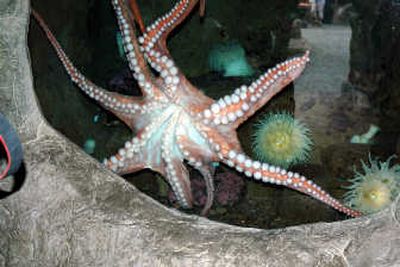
252	113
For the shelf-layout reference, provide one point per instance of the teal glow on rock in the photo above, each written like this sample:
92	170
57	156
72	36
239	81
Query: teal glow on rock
89	146
230	59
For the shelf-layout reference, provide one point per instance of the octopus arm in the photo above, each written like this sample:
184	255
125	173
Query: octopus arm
129	159
176	172
202	7
137	63
200	158
275	175
232	155
136	14
154	39
155	48
236	108
120	105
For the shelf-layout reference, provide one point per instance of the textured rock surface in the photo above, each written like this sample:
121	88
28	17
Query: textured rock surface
72	212
375	57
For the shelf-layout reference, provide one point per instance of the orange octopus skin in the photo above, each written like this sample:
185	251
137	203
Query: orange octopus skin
176	122
136	14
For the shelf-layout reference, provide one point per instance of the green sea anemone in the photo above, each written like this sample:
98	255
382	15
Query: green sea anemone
374	189
282	140
229	58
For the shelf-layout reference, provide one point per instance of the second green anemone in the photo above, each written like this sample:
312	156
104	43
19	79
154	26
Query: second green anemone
282	140
375	188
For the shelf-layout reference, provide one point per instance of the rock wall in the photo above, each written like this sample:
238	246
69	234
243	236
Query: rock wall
72	212
375	57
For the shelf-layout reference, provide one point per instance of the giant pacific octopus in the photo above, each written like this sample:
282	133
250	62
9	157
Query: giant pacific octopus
174	122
